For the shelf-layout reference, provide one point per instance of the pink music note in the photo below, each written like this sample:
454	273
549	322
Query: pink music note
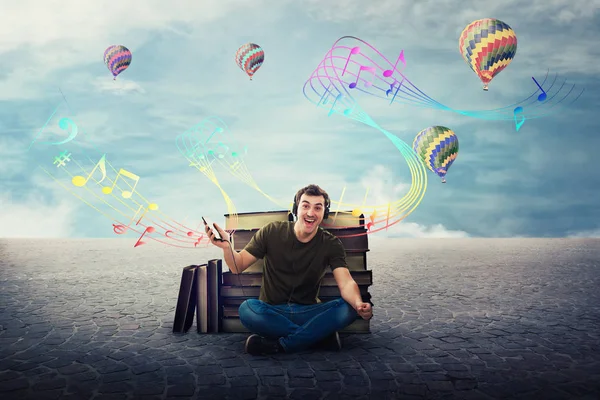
355	50
119	229
367	83
388	72
149	229
199	240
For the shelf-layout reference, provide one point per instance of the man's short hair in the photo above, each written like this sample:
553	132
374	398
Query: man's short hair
312	190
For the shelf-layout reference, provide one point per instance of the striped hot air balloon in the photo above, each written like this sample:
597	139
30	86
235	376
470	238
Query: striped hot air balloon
117	59
249	58
487	45
437	147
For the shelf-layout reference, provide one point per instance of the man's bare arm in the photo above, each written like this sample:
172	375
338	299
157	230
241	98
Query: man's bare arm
243	260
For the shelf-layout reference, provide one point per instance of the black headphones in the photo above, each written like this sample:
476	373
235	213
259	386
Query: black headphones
325	215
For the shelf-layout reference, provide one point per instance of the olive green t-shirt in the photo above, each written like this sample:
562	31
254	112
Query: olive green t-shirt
293	270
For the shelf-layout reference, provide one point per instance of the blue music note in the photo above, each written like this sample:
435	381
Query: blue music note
542	96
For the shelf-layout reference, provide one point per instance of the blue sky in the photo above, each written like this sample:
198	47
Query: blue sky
537	182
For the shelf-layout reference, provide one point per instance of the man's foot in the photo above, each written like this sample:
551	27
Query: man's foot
331	343
257	345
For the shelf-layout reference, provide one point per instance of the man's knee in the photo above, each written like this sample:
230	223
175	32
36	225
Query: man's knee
346	314
250	309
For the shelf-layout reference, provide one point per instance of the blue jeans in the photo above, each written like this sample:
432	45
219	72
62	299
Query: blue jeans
296	326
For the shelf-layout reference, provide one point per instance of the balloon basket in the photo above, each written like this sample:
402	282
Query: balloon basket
485	88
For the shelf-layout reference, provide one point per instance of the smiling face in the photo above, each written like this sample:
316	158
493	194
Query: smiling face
310	215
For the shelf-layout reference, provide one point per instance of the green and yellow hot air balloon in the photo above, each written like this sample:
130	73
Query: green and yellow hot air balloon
487	45
437	147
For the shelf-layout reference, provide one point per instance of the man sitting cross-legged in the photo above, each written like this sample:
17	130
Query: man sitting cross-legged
288	316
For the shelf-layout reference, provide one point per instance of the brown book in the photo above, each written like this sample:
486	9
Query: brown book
255	220
214	279
186	300
343	219
234	325
364	278
354	240
203	299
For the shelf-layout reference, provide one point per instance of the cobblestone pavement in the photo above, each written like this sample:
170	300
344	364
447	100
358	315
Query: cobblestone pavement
455	318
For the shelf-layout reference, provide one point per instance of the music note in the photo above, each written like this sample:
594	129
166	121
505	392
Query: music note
198	241
235	154
217	129
542	96
235	166
397	90
192	151
325	97
355	50
80	181
518	124
221	155
372	217
149	229
387	222
120	228
338	97
367	83
388	72
65	124
167	234
196	163
348	111
126	193
151	207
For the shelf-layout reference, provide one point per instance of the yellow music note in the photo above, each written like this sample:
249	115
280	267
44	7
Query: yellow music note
235	166
126	193
151	206
357	211
80	181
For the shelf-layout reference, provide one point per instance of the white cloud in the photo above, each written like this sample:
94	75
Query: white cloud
190	76
415	230
436	26
385	187
119	86
68	33
590	233
12	158
44	213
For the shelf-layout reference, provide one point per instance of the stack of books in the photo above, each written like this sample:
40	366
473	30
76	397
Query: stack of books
237	288
199	294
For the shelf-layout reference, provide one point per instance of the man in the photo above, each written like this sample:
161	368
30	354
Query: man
288	316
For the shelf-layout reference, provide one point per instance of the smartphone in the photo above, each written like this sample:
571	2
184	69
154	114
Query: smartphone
210	224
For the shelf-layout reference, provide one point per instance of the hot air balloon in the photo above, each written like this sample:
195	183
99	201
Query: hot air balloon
487	45
249	58
437	147
117	58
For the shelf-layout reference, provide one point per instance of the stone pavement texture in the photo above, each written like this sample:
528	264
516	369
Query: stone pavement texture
453	318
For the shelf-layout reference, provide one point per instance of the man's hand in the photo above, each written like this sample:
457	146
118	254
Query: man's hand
221	244
364	310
